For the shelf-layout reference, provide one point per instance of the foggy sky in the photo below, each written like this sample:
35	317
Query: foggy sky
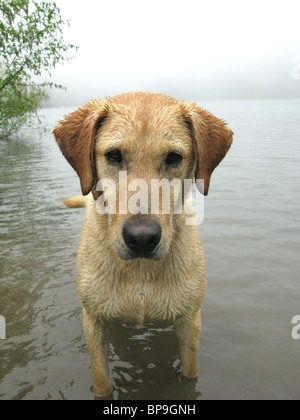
191	50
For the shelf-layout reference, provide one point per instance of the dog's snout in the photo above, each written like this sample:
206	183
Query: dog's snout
142	236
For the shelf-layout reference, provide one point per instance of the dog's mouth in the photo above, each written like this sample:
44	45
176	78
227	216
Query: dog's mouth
129	255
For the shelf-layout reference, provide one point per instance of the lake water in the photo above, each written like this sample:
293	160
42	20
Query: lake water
251	236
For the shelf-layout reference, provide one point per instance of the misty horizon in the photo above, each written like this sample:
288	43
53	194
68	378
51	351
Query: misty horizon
203	51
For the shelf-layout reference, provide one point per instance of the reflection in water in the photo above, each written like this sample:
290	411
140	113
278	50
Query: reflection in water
145	364
33	242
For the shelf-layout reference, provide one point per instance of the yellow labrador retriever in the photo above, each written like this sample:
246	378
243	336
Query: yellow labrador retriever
143	266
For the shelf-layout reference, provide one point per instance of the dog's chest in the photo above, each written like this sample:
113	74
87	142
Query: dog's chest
138	293
139	302
141	308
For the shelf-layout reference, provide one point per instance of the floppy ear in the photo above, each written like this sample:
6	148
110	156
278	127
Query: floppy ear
76	135
212	139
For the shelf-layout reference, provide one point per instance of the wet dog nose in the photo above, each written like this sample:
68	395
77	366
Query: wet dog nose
142	236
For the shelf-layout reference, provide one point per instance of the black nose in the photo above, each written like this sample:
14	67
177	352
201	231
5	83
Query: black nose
141	236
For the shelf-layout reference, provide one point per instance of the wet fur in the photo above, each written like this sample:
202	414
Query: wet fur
111	286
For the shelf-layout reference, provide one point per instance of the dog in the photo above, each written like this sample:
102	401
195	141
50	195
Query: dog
140	267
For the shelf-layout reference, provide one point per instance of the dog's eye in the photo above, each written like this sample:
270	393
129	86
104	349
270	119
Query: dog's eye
115	156
173	159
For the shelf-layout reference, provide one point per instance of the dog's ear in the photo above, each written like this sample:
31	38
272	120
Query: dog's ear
212	139
76	136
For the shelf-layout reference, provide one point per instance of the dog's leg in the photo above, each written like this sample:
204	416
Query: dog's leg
97	341
188	331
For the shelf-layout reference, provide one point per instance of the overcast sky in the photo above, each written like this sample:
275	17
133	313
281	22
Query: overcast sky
188	49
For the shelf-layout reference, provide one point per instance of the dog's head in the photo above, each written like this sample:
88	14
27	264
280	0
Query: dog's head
145	138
